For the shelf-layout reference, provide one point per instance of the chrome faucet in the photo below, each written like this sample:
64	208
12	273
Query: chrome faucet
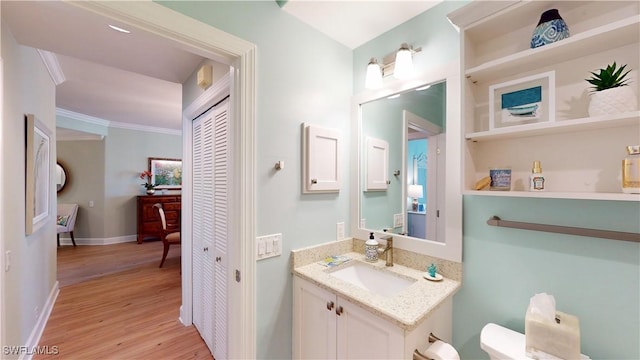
388	250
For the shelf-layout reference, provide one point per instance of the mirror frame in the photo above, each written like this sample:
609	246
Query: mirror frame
66	176
451	249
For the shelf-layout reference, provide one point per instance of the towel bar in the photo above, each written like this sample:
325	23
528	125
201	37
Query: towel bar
605	234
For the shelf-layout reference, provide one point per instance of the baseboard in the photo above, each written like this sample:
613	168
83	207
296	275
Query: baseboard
99	241
38	329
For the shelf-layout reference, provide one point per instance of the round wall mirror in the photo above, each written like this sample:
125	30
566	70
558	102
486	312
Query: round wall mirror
62	177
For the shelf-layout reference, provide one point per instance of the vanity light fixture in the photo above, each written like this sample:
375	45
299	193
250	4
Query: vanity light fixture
423	87
399	63
394	96
374	75
119	29
404	63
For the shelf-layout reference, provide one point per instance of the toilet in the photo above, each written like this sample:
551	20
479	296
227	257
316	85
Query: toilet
502	343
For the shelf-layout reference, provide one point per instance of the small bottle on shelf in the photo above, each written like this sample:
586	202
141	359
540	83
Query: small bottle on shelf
631	171
536	179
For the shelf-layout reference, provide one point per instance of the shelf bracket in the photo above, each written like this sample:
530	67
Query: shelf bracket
605	234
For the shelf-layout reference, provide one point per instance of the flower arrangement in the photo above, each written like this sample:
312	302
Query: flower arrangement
147	185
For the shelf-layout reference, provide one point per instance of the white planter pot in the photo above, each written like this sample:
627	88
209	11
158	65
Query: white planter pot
613	101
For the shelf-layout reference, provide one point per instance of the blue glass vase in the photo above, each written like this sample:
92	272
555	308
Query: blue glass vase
550	29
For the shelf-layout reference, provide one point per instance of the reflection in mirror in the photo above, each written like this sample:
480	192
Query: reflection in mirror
402	163
62	177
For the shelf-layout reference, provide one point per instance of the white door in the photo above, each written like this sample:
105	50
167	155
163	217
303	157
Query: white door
314	321
362	335
211	167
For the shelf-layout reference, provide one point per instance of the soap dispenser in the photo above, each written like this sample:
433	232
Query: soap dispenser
371	249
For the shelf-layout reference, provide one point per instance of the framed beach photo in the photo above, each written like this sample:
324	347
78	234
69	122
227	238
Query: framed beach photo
166	173
37	172
523	101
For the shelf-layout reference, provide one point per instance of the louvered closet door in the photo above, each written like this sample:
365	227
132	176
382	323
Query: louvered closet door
211	187
222	190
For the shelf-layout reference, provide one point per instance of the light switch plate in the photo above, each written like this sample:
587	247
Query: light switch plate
268	246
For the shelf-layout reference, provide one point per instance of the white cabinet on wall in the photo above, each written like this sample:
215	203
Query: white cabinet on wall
581	155
321	159
377	169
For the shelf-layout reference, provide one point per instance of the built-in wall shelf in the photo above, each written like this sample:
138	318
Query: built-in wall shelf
561	126
557	195
580	155
609	36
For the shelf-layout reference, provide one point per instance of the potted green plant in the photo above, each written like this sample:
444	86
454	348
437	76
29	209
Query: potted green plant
610	91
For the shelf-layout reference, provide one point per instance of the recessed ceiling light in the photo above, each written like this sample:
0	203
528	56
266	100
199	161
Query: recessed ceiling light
394	96
119	29
423	88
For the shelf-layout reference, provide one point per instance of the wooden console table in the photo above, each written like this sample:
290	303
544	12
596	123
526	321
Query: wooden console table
149	225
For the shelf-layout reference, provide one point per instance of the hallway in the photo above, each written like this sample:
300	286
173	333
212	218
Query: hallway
115	303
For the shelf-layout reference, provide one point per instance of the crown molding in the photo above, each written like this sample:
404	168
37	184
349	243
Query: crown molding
114	124
82	117
146	128
53	66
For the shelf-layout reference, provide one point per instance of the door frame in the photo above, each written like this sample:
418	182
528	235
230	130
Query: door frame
212	43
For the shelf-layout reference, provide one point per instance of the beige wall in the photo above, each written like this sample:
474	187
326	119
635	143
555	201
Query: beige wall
27	88
107	173
84	162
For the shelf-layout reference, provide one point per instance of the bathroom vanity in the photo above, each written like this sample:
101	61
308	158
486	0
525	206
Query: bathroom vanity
388	314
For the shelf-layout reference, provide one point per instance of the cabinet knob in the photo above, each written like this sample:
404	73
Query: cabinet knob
206	249
339	310
218	258
329	305
314	181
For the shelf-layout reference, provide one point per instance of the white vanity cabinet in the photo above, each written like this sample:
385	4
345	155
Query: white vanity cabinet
328	326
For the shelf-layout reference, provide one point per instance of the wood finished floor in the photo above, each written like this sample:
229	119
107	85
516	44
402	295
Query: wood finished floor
115	303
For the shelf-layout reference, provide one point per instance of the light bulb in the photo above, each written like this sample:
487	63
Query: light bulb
374	75
404	64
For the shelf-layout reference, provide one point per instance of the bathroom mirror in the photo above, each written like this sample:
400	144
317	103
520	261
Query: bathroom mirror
62	177
406	142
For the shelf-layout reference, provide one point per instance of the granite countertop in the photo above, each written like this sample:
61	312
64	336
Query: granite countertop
407	308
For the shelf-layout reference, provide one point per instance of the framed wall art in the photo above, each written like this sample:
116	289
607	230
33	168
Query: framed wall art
37	172
523	101
166	173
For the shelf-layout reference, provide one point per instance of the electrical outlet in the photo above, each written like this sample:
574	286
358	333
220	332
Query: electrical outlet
339	231
7	260
398	220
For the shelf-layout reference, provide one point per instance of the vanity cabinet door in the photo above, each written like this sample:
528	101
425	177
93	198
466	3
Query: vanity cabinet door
314	321
363	335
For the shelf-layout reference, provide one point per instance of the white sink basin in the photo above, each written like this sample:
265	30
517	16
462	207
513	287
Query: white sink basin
379	282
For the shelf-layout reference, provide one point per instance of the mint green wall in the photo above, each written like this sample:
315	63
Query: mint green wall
302	76
28	89
597	280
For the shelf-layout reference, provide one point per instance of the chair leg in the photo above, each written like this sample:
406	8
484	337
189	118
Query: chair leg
58	239
73	240
164	254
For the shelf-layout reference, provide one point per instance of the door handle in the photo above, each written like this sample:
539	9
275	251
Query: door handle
329	305
339	310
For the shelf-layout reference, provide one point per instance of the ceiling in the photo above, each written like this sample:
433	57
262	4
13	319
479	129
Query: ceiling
136	78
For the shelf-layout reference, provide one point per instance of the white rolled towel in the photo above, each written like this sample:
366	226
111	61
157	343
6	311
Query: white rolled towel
440	350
